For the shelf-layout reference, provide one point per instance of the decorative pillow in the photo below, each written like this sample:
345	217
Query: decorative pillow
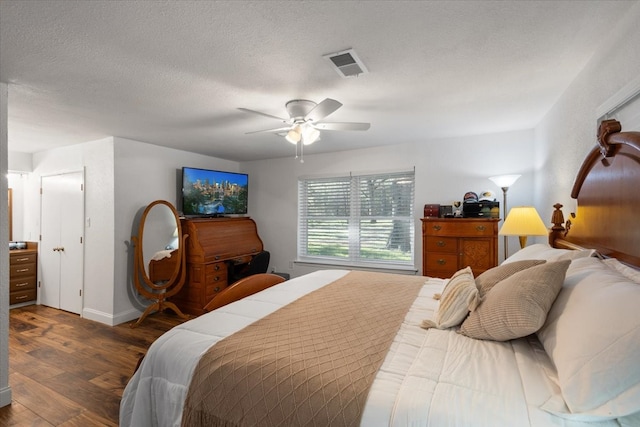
547	253
592	335
459	296
488	279
518	305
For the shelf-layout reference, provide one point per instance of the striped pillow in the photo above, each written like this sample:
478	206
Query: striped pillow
491	277
518	305
459	296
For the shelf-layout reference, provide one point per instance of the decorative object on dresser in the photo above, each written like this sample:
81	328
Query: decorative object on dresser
523	221
23	272
159	258
504	182
450	244
212	244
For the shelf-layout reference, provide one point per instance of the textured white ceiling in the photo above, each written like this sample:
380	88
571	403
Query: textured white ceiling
174	73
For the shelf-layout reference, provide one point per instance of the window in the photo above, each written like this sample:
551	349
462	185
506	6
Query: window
364	220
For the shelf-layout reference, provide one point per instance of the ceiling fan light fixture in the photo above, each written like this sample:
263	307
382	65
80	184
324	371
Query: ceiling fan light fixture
310	135
294	135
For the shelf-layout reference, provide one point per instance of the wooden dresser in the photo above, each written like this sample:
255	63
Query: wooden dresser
449	244
211	246
23	274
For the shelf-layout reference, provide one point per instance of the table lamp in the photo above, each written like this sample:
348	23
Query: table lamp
523	221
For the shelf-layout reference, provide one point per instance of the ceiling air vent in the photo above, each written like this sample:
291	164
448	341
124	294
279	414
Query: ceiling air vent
346	63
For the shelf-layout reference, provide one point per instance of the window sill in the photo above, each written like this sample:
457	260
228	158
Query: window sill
364	267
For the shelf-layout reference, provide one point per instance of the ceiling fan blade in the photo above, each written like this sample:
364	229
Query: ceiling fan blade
342	126
322	110
288	128
263	114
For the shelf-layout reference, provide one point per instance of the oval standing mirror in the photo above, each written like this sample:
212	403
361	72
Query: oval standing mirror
159	258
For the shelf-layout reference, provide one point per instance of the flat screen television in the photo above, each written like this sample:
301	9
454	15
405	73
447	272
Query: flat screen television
213	193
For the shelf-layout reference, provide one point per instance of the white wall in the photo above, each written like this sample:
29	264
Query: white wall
96	159
5	390
445	170
568	132
144	173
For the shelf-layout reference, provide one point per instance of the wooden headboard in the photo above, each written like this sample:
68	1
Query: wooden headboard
607	189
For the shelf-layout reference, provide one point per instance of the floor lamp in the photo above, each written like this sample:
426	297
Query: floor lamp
504	182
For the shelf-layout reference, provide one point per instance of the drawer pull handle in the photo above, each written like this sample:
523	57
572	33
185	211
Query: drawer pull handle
19	285
22	297
480	228
441	262
21	259
440	243
22	270
437	227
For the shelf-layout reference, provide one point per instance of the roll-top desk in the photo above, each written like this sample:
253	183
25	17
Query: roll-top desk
449	244
213	243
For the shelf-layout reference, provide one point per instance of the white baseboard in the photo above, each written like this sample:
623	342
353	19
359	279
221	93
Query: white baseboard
110	319
5	396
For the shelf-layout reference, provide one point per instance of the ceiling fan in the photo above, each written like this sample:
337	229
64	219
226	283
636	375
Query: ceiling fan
305	120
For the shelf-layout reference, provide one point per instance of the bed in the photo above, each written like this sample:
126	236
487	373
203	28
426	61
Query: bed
550	337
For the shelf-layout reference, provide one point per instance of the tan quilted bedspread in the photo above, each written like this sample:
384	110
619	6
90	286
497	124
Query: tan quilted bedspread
311	363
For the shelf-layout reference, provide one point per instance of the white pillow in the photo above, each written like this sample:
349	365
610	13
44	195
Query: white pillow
547	253
626	271
592	335
459	296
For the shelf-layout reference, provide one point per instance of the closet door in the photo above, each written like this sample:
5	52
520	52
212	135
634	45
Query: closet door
61	246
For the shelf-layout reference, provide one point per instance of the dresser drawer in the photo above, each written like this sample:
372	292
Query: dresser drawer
458	228
22	283
442	261
23	258
442	244
22	270
22	296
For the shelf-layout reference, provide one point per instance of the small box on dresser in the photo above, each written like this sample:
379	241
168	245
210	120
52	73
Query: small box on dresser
449	244
23	274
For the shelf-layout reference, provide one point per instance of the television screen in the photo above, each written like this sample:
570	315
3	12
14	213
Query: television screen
213	193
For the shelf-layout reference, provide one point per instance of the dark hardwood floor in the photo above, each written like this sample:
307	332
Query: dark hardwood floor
68	371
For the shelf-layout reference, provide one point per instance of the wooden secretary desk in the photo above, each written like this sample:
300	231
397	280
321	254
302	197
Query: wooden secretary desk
450	244
212	244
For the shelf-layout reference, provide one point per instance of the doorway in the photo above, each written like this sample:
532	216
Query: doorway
61	241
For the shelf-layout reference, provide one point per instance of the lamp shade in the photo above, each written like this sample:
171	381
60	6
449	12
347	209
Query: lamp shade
294	135
523	221
504	181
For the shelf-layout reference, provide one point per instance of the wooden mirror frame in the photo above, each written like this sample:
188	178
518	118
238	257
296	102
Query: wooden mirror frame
144	285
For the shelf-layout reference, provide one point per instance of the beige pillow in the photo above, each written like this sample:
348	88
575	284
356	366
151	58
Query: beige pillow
459	296
489	278
518	305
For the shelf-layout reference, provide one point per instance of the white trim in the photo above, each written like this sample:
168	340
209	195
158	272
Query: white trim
109	319
624	95
5	396
358	173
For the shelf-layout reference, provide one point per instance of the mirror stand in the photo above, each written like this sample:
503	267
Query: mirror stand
172	281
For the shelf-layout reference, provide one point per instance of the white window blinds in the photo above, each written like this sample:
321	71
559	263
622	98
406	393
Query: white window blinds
364	220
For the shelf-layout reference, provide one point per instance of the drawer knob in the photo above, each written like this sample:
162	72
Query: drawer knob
216	268
441	261
437	227
480	228
215	279
440	243
216	289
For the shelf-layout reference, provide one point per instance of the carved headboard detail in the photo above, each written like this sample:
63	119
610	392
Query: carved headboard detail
607	188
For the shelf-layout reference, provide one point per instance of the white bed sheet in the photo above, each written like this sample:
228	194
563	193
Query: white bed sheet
430	377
